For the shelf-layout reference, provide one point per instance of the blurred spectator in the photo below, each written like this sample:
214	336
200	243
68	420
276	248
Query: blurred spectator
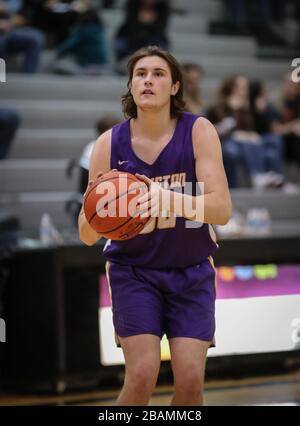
54	17
255	17
108	4
192	77
74	205
240	142
9	123
12	6
145	24
87	42
16	39
102	125
290	119
265	119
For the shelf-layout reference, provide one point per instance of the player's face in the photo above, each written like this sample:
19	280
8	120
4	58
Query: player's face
151	84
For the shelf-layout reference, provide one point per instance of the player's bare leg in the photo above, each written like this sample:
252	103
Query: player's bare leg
142	363
188	357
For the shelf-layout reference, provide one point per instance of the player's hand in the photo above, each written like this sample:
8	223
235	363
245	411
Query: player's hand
90	183
150	204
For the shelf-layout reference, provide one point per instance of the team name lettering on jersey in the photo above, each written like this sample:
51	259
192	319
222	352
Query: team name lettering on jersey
175	180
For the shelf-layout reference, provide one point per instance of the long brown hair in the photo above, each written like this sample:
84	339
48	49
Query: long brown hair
177	102
243	116
227	87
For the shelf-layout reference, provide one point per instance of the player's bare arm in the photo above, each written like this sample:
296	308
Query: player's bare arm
99	164
209	171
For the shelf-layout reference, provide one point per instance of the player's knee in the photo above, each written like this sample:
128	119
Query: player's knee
143	376
189	380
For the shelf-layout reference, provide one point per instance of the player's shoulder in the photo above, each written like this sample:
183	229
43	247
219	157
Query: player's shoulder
203	130
101	152
104	138
204	136
103	142
203	124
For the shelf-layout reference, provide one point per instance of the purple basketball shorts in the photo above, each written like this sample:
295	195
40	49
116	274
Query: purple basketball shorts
178	302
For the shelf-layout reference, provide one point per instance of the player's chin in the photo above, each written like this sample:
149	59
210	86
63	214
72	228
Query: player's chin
148	107
144	103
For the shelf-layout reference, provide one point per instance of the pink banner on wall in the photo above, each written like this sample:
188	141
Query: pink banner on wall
241	281
257	281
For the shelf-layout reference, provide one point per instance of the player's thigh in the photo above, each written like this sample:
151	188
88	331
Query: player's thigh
188	358
141	353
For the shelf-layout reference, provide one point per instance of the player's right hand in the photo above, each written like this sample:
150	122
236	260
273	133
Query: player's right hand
92	181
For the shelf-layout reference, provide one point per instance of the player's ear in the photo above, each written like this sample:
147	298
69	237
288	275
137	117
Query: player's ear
175	88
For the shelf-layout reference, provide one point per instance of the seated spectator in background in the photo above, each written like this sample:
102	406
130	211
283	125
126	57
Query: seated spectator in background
102	125
108	4
265	118
74	205
56	18
289	127
9	123
16	39
192	77
241	143
145	24
87	42
254	17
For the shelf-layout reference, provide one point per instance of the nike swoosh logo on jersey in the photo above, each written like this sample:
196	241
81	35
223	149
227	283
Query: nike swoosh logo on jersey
122	162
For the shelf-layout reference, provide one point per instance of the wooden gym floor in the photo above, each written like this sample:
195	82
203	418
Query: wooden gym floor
264	390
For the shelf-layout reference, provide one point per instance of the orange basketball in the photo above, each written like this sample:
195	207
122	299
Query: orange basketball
110	205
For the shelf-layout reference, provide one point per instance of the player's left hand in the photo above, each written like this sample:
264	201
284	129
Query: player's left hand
150	204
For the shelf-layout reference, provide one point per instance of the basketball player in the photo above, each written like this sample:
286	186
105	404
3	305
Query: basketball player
163	280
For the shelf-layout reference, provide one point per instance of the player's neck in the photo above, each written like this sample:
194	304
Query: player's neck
152	124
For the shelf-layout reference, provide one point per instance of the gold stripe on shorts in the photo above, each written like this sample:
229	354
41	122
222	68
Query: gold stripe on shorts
211	261
107	268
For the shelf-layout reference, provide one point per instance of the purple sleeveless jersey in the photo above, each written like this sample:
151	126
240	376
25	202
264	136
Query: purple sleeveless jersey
164	243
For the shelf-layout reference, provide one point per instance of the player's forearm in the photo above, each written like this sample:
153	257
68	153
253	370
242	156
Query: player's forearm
86	233
208	208
217	208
